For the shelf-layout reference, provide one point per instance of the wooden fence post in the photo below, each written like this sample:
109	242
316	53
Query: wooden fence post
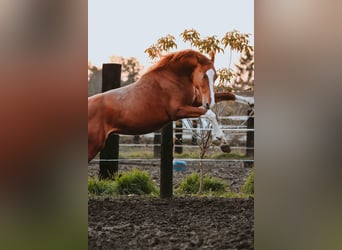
179	137
194	135
166	162
250	138
156	143
111	77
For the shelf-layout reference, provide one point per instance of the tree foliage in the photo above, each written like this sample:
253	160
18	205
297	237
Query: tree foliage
244	81
231	41
163	44
130	68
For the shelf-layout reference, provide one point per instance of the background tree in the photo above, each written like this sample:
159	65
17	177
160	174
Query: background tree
244	82
131	70
94	79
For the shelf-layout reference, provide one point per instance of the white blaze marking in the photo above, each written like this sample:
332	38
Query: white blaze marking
210	73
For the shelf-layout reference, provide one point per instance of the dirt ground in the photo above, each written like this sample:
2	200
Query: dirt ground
178	223
134	222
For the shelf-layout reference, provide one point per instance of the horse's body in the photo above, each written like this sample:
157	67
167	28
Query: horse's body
179	86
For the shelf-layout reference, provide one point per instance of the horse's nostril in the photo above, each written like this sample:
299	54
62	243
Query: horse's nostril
207	106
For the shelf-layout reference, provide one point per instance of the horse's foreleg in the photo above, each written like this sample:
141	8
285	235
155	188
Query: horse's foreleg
188	112
194	112
217	132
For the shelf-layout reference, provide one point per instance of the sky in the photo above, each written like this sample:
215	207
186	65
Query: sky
126	28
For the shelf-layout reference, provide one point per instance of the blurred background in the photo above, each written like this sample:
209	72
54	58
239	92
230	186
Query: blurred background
43	63
298	82
43	124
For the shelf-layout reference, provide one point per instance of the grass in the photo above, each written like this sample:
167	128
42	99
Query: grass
232	155
136	154
211	185
135	182
211	155
248	186
147	153
138	182
132	182
102	187
189	154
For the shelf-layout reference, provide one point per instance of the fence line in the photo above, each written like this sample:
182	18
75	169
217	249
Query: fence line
183	145
241	130
94	161
186	130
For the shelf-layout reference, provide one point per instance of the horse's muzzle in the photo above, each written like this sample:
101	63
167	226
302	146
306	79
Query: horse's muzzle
207	106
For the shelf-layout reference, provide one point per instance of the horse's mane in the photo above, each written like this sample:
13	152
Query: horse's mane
186	58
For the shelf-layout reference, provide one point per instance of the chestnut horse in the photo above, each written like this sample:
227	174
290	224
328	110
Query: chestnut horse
180	85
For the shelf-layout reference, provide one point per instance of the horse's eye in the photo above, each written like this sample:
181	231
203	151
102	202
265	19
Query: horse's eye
205	76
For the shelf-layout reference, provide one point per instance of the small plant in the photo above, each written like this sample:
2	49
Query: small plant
213	184
101	187
248	186
135	182
191	185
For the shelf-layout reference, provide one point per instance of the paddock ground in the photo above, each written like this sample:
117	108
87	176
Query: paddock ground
135	222
178	223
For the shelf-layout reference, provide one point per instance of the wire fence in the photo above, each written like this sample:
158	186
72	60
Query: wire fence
187	131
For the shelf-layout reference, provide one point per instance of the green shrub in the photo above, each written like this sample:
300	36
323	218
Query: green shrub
248	186
213	184
101	187
191	184
135	182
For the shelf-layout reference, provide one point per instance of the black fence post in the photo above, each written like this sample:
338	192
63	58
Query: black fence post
166	162
179	137
194	135
156	144
250	138
111	77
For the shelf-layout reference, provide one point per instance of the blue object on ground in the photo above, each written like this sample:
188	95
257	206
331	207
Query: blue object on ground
179	165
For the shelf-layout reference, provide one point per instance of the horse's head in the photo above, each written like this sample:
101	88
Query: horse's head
203	78
199	68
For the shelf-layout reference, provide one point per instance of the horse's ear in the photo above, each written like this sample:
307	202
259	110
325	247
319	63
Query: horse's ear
212	56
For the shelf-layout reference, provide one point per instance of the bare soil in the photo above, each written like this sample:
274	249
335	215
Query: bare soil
178	223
